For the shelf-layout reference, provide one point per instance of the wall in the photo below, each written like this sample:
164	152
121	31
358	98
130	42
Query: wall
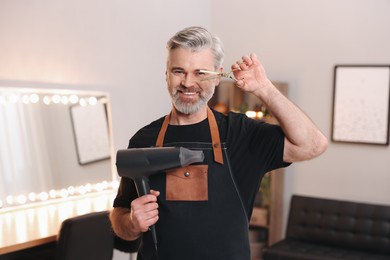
118	47
115	46
300	42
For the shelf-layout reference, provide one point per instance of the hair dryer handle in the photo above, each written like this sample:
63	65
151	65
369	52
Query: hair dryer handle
143	188
142	185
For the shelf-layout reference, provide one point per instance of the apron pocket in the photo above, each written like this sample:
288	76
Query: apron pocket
187	183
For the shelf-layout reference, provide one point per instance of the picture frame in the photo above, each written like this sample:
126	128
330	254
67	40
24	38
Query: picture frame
90	128
361	104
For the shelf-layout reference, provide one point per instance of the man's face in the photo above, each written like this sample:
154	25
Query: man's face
190	89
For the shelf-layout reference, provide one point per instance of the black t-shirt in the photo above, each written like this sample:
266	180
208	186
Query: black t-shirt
253	147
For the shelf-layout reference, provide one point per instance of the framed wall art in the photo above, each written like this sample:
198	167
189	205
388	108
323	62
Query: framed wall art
361	104
90	129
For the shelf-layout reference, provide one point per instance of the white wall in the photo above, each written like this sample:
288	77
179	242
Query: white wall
300	42
118	46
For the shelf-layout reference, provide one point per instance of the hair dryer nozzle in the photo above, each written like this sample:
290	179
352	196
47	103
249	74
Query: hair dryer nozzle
188	157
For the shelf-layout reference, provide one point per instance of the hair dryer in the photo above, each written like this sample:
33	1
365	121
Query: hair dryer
139	163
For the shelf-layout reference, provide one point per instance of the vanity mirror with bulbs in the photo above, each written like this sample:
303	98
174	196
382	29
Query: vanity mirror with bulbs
56	161
53	144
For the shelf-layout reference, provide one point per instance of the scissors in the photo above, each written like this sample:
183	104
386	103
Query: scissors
217	74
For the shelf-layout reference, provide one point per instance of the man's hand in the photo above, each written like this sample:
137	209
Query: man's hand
144	211
130	223
250	74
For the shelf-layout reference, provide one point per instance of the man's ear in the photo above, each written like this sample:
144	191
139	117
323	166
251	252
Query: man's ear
218	80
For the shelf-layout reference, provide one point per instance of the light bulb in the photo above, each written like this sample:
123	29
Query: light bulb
34	98
21	199
52	194
25	99
83	102
64	193
9	199
64	100
43	196
92	101
260	114
71	190
46	100
250	114
56	99
32	196
73	99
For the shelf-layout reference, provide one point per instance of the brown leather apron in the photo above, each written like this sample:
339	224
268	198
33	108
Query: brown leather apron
201	215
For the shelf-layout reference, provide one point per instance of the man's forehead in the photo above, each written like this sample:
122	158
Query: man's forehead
194	59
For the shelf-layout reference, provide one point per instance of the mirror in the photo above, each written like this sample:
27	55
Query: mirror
53	144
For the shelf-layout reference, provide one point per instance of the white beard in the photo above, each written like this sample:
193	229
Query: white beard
191	107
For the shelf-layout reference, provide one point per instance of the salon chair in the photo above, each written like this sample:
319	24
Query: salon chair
87	236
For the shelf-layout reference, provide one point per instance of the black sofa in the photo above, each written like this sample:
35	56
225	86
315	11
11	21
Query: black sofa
326	229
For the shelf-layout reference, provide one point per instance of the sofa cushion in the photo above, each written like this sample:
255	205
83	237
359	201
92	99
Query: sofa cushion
291	249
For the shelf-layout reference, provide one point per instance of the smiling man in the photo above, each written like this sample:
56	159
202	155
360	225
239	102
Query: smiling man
187	86
202	211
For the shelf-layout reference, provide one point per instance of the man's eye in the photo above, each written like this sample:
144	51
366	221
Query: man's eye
178	72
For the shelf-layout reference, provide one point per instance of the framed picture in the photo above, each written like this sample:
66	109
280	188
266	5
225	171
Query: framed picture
361	104
90	128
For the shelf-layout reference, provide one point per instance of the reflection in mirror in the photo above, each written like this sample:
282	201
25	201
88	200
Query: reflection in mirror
53	144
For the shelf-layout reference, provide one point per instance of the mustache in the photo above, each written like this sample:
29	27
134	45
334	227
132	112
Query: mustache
188	90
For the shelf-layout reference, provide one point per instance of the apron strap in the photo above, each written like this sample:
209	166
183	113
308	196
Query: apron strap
215	138
163	130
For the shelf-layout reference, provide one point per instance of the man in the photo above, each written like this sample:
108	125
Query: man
202	211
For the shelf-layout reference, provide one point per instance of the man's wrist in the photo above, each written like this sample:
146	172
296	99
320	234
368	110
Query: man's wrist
266	92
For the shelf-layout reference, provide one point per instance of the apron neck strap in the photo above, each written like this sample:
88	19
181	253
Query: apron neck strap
215	138
161	134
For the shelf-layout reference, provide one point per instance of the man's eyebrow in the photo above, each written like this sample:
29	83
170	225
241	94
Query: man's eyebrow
195	70
177	68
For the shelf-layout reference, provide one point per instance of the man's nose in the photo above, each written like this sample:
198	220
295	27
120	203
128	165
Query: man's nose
189	80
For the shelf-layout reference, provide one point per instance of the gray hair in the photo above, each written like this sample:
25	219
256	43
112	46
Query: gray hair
197	38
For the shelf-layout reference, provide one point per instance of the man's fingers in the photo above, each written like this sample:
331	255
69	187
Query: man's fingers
240	83
247	61
155	192
147	198
254	59
145	214
148	222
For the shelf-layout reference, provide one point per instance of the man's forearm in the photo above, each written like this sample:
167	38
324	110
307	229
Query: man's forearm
121	224
305	140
